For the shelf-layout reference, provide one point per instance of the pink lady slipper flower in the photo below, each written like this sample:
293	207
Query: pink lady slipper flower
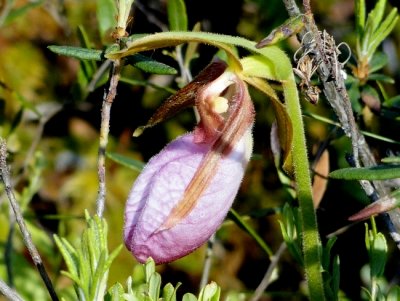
184	192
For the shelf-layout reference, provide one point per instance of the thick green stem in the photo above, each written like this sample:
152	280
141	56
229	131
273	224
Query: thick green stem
311	240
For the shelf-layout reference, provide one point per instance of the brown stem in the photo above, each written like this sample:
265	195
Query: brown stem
291	7
269	273
104	131
335	91
207	262
8	292
307	6
26	236
108	99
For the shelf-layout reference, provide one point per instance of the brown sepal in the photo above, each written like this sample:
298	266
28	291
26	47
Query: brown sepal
185	97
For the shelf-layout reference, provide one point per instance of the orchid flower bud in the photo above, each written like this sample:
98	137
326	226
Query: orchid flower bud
184	192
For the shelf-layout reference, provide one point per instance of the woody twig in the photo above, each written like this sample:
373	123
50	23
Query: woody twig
325	52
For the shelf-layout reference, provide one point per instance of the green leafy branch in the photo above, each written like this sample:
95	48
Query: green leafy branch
371	32
151	290
88	264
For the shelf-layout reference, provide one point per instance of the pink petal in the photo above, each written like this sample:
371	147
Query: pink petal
161	186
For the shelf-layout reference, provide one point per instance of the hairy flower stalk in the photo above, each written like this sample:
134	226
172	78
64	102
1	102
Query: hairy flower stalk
185	191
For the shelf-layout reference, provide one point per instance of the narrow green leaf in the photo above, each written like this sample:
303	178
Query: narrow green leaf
394	160
154	286
373	20
381	77
2	111
133	37
393	102
149	65
85	267
26	104
112	48
20	11
365	133
379	137
384	93
382	31
89	66
68	255
209	292
380	172
290	27
247	228
115	293
16	120
83	37
378	255
70	249
169	292
126	161
90	249
150	269
376	15
360	16
112	256
135	82
74	278
106	13
101	231
290	234
379	60
217	294
335	276
191	49
99	277
177	16
189	297
78	52
394	293
326	255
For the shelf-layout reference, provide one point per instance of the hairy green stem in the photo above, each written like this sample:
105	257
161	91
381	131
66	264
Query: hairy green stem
311	240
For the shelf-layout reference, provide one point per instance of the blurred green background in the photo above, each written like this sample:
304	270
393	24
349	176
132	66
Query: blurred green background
51	121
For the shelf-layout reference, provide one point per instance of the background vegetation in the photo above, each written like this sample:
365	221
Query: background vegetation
50	118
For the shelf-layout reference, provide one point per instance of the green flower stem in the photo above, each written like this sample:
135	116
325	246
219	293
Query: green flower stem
311	240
